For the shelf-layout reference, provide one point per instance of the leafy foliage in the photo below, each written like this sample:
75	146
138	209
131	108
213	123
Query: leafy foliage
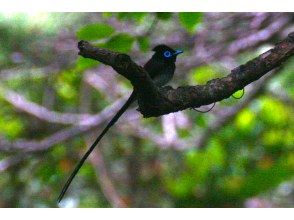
144	43
190	20
95	31
121	42
135	16
164	15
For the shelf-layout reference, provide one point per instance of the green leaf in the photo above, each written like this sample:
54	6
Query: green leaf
144	43
273	112
182	186
262	180
135	16
85	63
273	138
66	91
190	20
11	127
95	31
202	74
107	14
163	15
245	120
121	43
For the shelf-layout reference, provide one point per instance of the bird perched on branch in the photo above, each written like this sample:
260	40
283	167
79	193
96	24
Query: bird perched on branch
161	68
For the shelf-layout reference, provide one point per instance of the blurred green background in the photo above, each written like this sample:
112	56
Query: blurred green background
54	103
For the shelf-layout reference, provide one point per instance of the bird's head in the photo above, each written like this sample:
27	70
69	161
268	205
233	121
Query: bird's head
164	52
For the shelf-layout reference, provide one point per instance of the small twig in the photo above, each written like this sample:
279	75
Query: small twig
10	161
205	111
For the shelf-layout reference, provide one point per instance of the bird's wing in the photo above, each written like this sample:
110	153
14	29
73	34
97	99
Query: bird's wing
154	67
159	71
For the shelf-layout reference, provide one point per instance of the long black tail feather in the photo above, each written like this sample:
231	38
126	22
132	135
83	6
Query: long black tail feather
130	100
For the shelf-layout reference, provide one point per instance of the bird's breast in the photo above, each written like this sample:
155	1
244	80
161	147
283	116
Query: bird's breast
160	71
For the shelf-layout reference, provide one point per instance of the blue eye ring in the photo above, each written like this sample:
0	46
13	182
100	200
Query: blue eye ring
167	54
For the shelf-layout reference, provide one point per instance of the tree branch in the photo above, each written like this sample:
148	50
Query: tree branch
11	161
39	111
105	181
155	102
84	126
226	115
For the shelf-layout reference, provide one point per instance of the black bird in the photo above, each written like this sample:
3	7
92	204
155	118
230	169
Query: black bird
161	68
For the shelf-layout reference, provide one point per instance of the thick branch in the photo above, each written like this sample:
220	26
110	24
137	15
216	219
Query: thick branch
155	102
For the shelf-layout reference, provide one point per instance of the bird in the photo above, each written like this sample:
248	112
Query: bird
161	68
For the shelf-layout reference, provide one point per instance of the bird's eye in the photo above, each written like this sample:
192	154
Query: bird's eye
167	54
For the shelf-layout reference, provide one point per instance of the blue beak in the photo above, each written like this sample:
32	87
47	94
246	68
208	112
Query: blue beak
178	52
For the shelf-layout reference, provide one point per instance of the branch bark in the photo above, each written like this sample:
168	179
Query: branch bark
154	101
